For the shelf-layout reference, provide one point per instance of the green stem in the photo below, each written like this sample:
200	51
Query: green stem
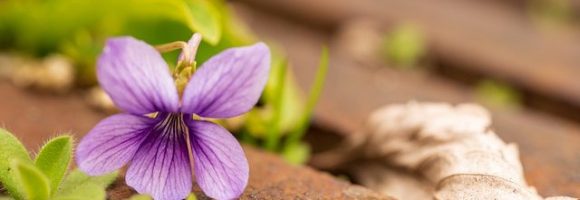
273	131
296	135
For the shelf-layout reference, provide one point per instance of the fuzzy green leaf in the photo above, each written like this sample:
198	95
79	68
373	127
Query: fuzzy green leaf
78	184
33	182
11	149
54	158
206	20
88	191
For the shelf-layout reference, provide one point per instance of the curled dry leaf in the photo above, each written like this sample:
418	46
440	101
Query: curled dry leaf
432	150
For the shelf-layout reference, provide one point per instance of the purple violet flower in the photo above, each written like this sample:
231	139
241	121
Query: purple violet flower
157	147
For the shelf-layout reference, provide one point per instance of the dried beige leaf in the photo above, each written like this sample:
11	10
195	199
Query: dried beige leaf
434	150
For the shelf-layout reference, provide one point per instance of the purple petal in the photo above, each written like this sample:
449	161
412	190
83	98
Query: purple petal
161	167
112	143
221	168
136	77
228	84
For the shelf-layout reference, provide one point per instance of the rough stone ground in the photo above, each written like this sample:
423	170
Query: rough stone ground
548	145
272	178
35	117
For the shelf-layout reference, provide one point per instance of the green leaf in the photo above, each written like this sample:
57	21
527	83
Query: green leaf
274	132
11	149
206	20
283	88
33	182
54	158
296	135
78	185
88	191
157	9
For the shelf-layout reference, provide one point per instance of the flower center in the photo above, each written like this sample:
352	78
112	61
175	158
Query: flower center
171	125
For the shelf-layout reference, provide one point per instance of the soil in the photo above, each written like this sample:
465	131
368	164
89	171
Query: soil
35	117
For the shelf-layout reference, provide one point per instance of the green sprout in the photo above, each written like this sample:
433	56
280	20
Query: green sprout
404	46
281	123
551	12
45	178
497	93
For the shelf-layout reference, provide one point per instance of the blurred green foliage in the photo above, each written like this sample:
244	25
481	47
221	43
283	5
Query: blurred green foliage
551	12
78	30
496	93
281	122
404	46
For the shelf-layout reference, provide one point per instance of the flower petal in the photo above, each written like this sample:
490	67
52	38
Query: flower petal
161	167
228	84
220	165
136	77
112	143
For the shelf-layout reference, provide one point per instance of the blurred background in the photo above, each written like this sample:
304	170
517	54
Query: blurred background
518	58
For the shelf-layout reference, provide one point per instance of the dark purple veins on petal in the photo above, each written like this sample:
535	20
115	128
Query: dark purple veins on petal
220	165
228	84
161	166
112	143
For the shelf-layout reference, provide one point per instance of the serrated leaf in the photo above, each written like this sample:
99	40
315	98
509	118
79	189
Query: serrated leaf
206	20
78	184
33	182
54	158
11	149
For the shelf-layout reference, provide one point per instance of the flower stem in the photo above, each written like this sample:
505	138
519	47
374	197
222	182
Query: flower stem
296	135
164	48
273	132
